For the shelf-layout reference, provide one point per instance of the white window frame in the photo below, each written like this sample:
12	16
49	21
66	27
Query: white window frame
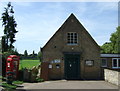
73	38
106	62
117	62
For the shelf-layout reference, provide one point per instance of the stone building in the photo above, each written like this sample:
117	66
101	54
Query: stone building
71	53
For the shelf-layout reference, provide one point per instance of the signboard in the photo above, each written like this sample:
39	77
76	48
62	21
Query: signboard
56	61
50	66
89	62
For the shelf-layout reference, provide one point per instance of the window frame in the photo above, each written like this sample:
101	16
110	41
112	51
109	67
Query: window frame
117	63
106	62
73	39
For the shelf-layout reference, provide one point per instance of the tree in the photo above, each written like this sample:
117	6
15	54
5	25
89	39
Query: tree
114	45
4	44
33	54
10	25
25	53
106	48
40	55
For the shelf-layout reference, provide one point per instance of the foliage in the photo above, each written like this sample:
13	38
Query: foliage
0	79
12	52
40	55
106	48
33	54
25	53
38	79
10	25
28	63
17	82
10	87
114	45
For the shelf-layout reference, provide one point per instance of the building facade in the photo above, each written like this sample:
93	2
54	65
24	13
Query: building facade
110	61
71	53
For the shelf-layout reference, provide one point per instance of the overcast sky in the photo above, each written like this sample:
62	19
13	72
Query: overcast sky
38	21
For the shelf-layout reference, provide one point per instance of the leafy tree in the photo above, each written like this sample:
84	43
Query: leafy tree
33	54
40	55
4	44
114	45
106	48
10	25
25	53
118	30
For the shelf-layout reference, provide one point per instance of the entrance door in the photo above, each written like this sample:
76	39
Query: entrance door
72	66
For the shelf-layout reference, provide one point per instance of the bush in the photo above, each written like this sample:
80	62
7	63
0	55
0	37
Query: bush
38	79
17	82
8	86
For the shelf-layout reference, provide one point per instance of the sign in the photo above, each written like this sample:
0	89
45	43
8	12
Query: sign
56	61
89	62
50	66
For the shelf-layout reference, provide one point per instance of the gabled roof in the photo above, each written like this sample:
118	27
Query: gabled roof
72	16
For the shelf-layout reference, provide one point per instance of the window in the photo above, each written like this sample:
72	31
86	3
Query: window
104	62
8	61
72	38
116	62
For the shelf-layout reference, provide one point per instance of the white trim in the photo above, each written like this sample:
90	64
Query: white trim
73	38
110	55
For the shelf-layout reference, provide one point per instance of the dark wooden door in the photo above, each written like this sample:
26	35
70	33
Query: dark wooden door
72	66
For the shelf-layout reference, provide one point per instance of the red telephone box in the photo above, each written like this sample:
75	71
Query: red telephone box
12	65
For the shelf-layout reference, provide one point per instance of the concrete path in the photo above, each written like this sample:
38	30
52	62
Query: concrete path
63	84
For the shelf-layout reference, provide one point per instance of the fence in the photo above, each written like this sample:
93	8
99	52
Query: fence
30	75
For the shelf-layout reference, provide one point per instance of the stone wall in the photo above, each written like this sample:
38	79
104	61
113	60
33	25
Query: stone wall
112	76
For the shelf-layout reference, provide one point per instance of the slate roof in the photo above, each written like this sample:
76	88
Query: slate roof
109	55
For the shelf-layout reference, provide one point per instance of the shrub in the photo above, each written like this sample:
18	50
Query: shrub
38	79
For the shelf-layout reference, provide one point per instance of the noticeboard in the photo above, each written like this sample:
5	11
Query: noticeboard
89	62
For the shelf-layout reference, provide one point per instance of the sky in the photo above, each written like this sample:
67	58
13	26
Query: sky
38	21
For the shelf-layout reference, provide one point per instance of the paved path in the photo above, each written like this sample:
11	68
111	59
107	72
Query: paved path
63	84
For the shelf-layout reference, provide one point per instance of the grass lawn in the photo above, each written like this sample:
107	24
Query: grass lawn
28	63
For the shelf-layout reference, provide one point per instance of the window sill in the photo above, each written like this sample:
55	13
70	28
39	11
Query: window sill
115	67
